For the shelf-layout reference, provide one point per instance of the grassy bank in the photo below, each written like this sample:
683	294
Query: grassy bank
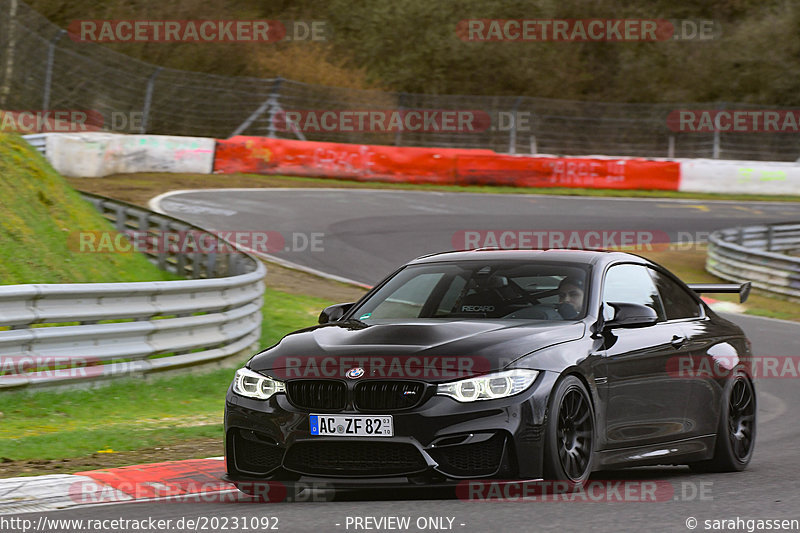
41	217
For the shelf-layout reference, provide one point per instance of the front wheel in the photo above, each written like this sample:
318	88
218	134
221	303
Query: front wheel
569	451
736	432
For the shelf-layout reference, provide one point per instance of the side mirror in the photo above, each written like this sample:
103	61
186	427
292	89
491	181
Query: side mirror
627	315
334	313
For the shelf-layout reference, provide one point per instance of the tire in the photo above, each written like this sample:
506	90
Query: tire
736	431
569	437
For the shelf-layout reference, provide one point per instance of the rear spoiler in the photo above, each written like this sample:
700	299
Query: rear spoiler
742	289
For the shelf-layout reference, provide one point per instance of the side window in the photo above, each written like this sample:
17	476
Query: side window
632	284
677	302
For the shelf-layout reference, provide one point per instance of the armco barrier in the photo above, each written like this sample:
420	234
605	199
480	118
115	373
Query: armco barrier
38	141
129	329
753	254
98	154
442	166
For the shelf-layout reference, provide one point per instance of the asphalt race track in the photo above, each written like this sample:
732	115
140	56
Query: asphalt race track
366	234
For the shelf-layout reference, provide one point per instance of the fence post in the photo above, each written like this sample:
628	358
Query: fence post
161	249
48	74
398	135
671	147
120	218
770	236
271	104
716	148
196	258
180	256
148	97
211	264
10	51
274	106
512	135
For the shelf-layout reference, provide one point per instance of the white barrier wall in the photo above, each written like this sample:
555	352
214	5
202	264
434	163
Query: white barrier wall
739	177
98	154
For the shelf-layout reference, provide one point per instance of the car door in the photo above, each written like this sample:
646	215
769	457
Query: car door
645	404
704	342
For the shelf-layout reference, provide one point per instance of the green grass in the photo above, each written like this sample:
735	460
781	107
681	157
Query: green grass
80	443
284	312
132	414
41	217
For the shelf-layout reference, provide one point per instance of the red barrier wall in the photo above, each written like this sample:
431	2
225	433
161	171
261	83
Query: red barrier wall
446	166
572	172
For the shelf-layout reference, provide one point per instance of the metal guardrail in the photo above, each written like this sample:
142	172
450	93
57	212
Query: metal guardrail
38	141
104	330
754	254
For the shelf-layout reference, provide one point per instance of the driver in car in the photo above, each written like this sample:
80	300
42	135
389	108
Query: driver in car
570	297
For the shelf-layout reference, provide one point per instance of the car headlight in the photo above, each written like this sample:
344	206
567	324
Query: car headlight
490	386
254	385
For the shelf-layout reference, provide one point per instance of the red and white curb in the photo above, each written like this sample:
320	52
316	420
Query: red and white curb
194	480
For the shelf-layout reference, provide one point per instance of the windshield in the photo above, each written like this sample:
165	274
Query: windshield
481	290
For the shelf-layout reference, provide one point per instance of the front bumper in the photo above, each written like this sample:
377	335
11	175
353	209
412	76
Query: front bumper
438	443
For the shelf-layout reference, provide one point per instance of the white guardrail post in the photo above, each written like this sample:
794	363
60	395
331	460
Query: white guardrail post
132	329
759	254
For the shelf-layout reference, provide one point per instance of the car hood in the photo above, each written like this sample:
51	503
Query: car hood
472	346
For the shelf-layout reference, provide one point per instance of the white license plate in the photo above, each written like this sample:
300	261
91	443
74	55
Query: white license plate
351	425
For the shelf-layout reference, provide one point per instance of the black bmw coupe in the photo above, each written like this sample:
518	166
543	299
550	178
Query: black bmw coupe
499	364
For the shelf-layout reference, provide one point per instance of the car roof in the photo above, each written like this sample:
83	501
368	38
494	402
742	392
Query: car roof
554	255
